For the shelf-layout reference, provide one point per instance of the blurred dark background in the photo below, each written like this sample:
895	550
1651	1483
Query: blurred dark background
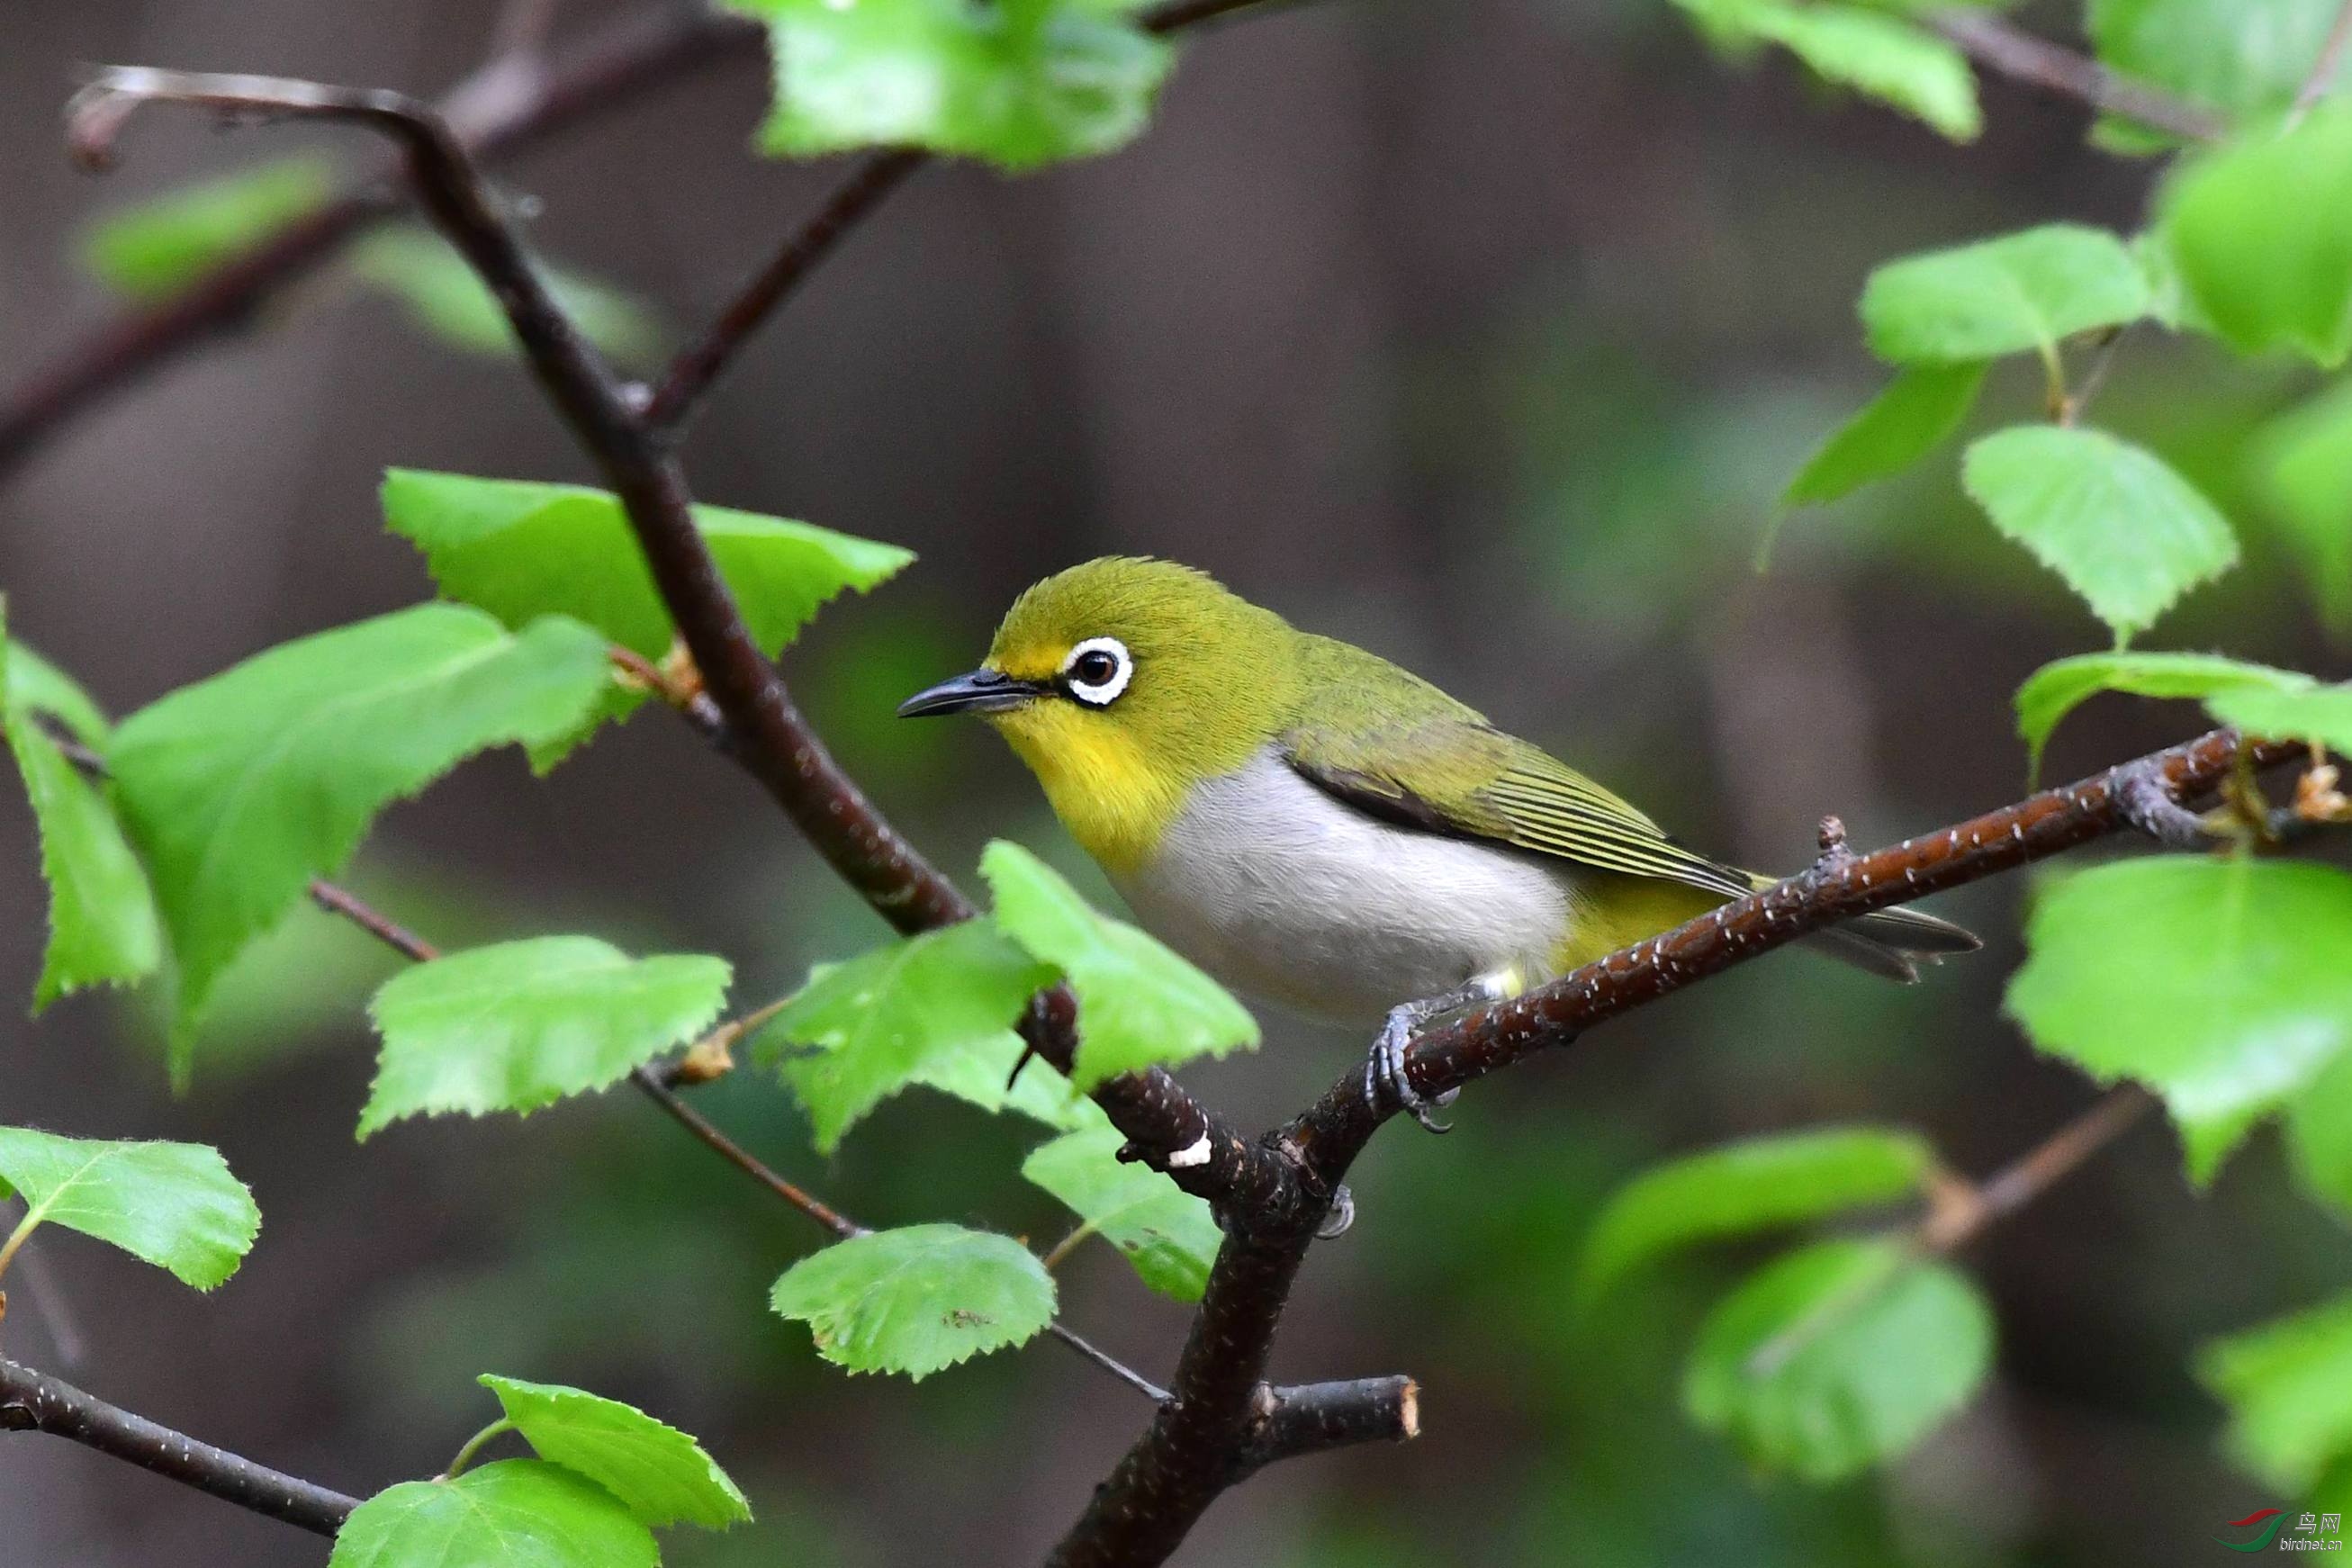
1484	333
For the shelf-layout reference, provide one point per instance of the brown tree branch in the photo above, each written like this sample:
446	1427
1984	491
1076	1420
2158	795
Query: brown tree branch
1997	45
1959	1211
1962	1211
1289	1423
840	1224
702	361
35	1402
497	112
1189	1453
691	374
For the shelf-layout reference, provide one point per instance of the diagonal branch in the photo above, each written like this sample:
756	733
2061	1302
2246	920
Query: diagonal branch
35	1402
2325	70
1190	1454
496	112
702	361
1998	45
1962	1211
876	174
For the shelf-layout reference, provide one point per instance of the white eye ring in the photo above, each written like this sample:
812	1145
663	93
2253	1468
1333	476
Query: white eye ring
1103	693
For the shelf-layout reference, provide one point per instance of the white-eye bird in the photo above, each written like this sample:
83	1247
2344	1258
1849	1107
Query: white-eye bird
1312	825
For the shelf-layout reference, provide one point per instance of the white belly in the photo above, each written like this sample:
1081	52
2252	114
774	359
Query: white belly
1281	892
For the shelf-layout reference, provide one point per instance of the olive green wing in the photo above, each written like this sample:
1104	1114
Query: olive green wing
1390	744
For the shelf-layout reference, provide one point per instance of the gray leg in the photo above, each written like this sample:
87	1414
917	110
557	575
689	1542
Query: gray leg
1384	1076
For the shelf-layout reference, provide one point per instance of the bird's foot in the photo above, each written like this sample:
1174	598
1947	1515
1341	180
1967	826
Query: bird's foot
1385	1082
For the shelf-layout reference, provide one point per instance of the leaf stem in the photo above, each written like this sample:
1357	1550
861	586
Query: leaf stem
2053	372
474	1445
1068	1245
17	1237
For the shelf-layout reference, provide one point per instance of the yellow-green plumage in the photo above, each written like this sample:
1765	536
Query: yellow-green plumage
1308	812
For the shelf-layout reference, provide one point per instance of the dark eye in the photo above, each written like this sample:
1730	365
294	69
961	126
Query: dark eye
1097	671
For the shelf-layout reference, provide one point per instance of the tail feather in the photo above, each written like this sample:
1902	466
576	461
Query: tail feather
1890	943
1893	943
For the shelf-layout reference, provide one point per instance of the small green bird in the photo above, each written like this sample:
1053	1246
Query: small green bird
1312	825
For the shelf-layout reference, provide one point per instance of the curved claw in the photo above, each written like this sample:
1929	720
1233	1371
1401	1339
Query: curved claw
1384	1076
1341	1215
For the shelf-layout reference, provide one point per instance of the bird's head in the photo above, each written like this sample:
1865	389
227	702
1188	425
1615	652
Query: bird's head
1124	683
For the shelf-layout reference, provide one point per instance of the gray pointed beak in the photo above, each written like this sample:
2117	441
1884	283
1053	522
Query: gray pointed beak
981	691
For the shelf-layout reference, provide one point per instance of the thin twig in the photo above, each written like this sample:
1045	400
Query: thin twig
842	1226
1109	1364
35	1402
673	402
650	1082
1965	1213
2323	70
2001	46
1959	1211
338	901
703	361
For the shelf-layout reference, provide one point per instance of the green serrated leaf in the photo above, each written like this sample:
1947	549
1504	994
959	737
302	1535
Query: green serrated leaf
2302	470
159	246
103	925
516	1513
661	1474
2239	57
2126	532
175	1206
241	788
860	1031
1880	57
2292	710
1140	1004
2319	1134
522	1025
1019	83
1753	1184
983	1077
1839	1356
2288	1384
40	686
2022	293
2224	985
2058	687
917	1299
520	550
1915	414
1170	1235
2260	231
447	298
